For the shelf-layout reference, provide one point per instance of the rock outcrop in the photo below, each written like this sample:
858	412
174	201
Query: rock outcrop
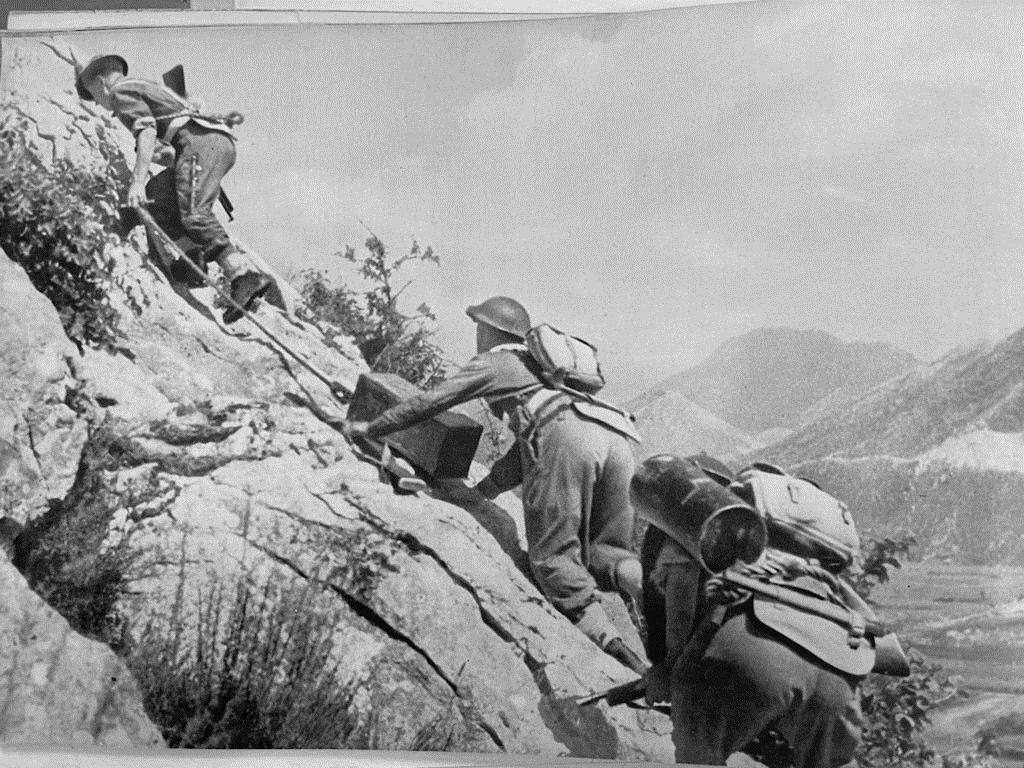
59	689
41	435
230	506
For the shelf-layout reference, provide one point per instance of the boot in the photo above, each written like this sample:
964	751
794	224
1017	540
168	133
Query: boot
245	290
184	274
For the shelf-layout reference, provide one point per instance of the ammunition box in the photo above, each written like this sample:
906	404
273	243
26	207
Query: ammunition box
441	447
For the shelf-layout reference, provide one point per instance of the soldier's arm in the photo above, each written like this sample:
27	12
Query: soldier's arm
506	473
476	379
133	111
145	144
682	586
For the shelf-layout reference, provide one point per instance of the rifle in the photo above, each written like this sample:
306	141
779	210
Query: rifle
619	694
811	605
627	693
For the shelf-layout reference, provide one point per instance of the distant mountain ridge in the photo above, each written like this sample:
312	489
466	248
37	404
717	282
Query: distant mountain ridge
670	423
769	377
976	388
937	452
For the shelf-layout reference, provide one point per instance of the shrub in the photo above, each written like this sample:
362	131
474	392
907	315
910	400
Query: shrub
56	221
896	711
255	672
875	562
390	340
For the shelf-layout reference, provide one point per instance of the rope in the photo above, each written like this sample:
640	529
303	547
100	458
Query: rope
774	563
231	119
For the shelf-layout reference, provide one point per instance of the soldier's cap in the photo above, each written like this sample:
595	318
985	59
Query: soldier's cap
96	63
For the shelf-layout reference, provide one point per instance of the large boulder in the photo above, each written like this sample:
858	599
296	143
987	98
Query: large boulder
58	688
41	435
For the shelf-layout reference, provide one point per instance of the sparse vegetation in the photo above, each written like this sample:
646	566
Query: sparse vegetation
878	557
57	222
256	670
390	340
897	712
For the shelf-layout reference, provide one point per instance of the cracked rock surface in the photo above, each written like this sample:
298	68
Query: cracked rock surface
222	479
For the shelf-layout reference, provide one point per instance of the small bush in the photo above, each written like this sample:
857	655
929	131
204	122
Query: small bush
897	713
390	340
1009	726
56	221
255	672
878	558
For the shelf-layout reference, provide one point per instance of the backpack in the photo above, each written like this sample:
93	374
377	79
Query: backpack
565	361
569	364
802	519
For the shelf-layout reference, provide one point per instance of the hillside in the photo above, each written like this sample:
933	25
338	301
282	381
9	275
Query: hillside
185	500
669	423
769	377
938	452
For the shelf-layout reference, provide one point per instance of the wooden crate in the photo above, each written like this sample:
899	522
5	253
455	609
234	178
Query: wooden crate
441	447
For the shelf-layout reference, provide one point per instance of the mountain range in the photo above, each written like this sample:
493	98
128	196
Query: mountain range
935	451
758	388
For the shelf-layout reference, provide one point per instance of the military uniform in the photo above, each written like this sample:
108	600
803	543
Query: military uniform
734	664
673	602
733	677
574	469
183	199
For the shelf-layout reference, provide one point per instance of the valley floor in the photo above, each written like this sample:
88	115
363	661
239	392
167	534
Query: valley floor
971	621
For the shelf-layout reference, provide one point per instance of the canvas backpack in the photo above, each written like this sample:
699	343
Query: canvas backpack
569	364
566	361
802	518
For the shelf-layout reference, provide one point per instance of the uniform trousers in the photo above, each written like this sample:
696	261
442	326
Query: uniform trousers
183	198
578	517
749	679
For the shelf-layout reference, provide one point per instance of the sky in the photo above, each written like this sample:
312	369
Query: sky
655	182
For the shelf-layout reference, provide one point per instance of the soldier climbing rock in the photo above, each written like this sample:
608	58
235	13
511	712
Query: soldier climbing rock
787	651
574	470
199	150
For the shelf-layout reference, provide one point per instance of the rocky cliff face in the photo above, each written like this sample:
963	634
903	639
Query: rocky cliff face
248	543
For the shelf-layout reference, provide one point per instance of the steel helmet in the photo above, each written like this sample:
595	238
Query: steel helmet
95	64
503	313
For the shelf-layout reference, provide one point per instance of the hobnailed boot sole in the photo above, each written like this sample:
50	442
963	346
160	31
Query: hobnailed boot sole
245	290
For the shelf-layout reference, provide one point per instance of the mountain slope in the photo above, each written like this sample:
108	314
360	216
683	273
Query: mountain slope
767	378
938	453
670	423
969	389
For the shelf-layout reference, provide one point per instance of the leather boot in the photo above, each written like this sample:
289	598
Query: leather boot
245	290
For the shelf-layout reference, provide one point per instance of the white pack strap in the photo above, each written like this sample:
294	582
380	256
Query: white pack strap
189	110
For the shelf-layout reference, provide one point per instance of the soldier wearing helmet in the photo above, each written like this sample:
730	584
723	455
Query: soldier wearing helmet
199	149
575	471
